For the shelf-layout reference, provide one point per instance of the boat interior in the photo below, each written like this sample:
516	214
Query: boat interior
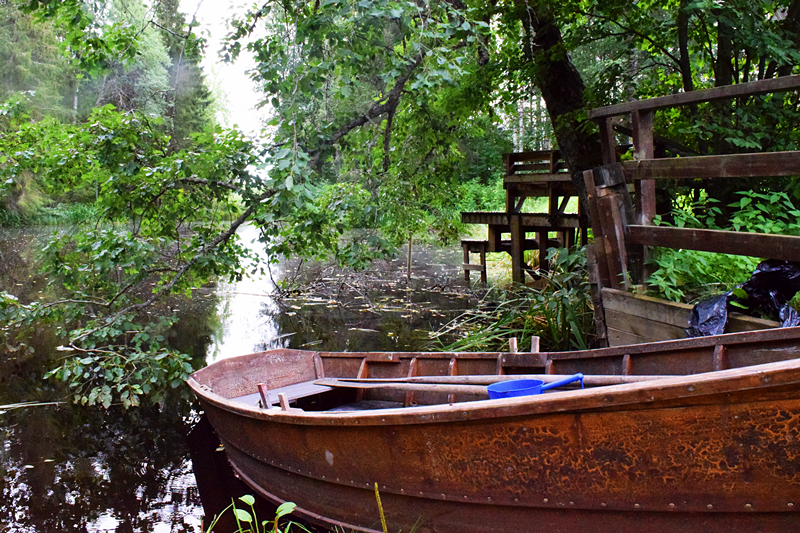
345	381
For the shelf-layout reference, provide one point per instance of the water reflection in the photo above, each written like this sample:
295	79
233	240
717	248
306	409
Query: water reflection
68	468
246	310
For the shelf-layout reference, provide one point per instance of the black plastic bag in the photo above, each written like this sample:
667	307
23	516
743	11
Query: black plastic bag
767	293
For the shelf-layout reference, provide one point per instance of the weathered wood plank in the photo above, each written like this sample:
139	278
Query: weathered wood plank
714	166
562	177
291	392
655	309
784	247
652	330
477	390
785	83
738	322
528	220
623	338
634	314
532	167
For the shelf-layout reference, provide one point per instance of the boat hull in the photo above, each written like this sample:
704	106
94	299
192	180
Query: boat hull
716	462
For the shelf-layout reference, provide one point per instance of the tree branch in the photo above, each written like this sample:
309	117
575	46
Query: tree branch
220	239
385	106
634	32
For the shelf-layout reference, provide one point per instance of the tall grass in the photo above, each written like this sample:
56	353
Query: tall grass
559	312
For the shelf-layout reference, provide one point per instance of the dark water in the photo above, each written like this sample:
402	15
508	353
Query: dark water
68	468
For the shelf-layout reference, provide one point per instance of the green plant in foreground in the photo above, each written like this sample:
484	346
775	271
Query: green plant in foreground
247	521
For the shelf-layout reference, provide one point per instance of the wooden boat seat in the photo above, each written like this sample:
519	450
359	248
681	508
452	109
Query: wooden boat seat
292	392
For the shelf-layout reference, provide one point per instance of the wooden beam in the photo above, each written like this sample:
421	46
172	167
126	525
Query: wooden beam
528	220
784	247
774	85
563	177
588	380
715	166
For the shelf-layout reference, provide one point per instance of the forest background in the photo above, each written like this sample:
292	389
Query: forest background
389	118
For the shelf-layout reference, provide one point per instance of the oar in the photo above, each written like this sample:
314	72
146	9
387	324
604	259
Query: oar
476	390
589	381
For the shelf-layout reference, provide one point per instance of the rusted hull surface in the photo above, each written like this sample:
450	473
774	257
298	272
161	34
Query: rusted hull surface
706	467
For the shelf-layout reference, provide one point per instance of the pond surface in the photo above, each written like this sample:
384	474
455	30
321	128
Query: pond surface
67	468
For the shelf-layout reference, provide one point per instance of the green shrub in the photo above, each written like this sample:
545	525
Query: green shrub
691	275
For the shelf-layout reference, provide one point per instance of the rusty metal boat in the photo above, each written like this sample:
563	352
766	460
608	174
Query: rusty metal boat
685	435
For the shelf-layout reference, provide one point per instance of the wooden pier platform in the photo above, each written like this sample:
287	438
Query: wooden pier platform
528	175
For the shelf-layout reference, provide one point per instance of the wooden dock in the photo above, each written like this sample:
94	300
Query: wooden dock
528	175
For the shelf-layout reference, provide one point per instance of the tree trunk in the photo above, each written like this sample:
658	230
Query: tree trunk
684	63
562	89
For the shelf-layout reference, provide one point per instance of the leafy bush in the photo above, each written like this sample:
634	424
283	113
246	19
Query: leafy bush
689	274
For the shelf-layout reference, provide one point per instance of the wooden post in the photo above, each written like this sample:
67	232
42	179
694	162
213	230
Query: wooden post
452	370
284	401
517	246
645	189
411	398
595	291
604	277
483	264
264	392
607	142
541	236
465	250
644	149
534	344
494	238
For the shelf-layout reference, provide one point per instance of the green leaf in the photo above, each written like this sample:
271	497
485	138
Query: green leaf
284	509
243	515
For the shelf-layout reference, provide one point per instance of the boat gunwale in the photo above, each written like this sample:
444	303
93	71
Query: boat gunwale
767	375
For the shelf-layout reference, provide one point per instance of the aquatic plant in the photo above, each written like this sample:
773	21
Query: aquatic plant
558	311
247	521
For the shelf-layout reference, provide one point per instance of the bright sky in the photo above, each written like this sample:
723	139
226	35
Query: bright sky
239	91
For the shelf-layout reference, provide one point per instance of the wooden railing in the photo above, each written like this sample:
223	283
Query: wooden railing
623	225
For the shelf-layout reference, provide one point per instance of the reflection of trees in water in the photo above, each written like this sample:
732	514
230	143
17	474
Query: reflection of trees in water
64	468
384	321
133	466
130	465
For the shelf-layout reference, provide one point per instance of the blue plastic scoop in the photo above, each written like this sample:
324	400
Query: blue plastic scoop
527	387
